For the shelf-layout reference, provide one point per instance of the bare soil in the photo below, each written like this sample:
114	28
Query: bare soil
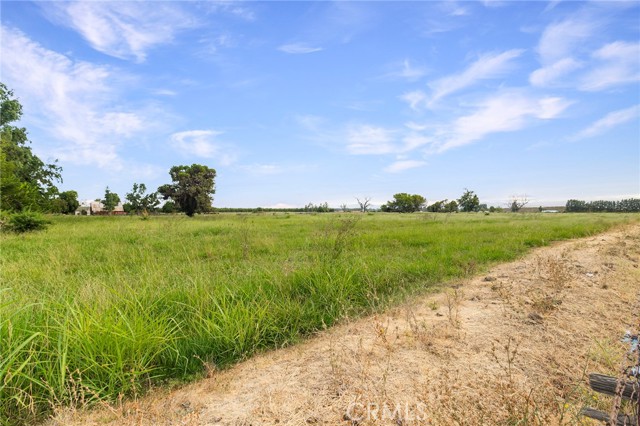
510	346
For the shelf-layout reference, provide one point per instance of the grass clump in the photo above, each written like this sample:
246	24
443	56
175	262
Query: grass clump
101	307
25	221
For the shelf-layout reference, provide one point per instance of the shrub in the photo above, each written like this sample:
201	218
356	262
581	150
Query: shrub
25	222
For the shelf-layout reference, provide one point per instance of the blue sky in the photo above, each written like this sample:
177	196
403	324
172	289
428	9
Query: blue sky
298	102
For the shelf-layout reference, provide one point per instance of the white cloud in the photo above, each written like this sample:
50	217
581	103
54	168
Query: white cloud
546	76
400	166
202	143
616	64
453	8
415	140
414	99
561	39
75	99
488	66
415	126
164	92
407	71
367	139
126	30
310	122
609	121
505	112
263	169
298	48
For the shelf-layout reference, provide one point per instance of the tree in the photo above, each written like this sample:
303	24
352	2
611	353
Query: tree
320	208
517	202
168	207
71	203
192	188
451	207
111	200
139	202
469	201
404	203
437	207
364	204
26	182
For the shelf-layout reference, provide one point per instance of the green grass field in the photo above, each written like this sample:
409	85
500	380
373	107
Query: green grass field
97	307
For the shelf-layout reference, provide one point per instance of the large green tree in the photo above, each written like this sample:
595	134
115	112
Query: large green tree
66	203
139	201
469	201
111	200
404	203
26	182
192	188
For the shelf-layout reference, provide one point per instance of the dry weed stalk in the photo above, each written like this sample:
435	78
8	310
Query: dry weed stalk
454	298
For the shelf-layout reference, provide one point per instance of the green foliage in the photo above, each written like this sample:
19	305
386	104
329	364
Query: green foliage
438	206
469	201
25	221
26	182
139	202
129	303
111	200
404	203
320	208
169	207
623	206
66	203
192	188
451	206
443	206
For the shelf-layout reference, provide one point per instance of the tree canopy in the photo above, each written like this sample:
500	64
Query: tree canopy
26	181
139	201
192	188
469	201
404	203
66	203
111	200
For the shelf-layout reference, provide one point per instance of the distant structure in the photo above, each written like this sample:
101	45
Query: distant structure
91	207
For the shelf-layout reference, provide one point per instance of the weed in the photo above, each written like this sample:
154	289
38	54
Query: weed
454	298
125	303
26	221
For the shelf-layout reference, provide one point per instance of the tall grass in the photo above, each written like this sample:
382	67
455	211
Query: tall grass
97	308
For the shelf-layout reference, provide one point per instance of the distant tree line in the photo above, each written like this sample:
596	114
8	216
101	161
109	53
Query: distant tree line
623	206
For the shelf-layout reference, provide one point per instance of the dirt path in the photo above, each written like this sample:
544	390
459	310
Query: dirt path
512	344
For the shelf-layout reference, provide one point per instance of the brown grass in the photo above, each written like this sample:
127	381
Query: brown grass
513	346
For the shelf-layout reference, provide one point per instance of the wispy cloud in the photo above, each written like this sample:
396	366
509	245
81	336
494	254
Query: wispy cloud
402	165
74	98
366	139
164	92
616	64
453	8
547	76
488	66
506	112
415	99
298	48
232	7
609	121
407	71
561	39
263	169
125	30
203	143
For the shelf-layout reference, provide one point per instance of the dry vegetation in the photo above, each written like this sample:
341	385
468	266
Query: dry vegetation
511	346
